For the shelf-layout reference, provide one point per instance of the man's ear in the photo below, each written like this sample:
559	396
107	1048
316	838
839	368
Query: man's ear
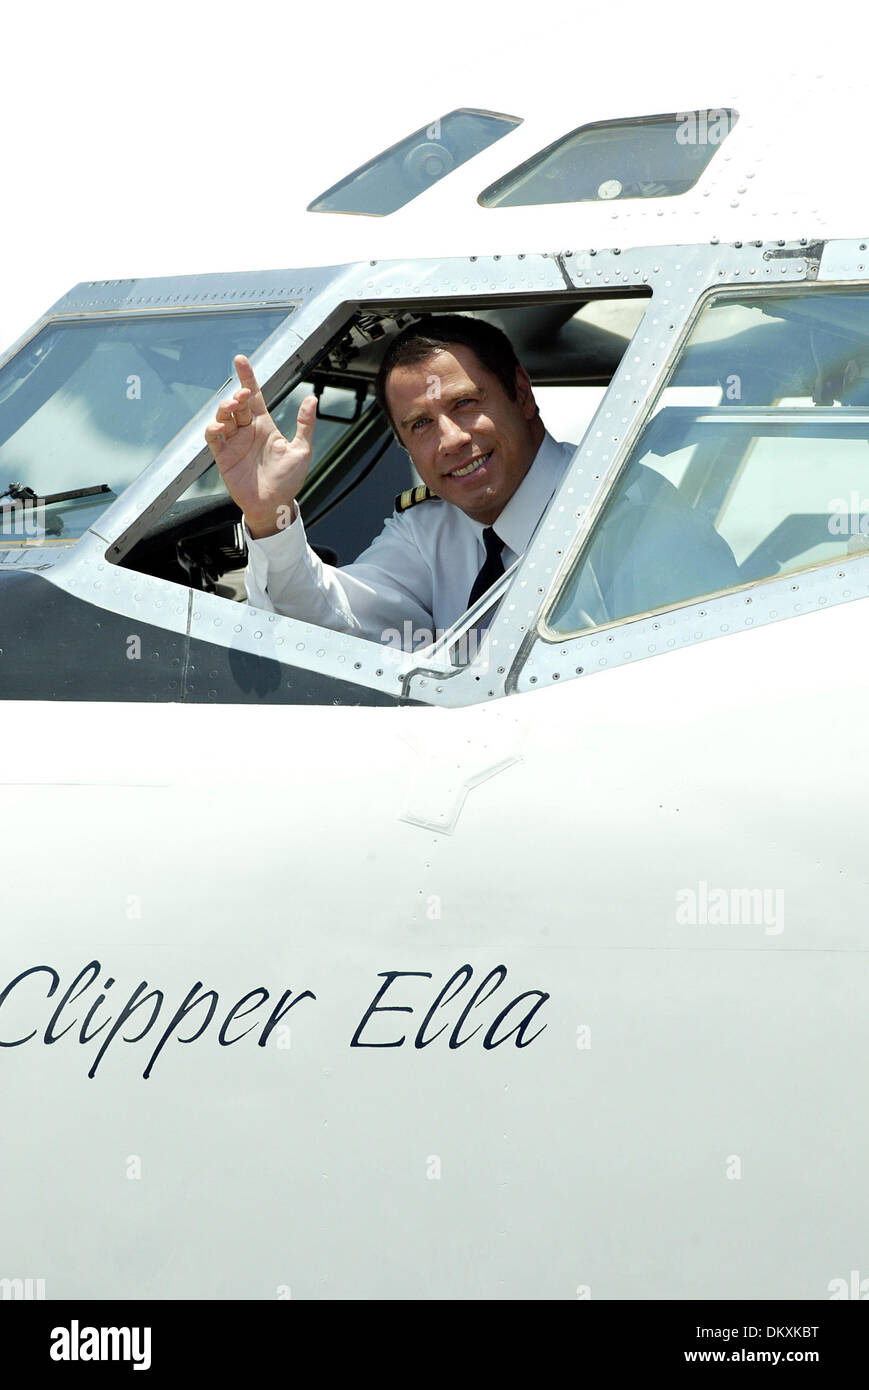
525	394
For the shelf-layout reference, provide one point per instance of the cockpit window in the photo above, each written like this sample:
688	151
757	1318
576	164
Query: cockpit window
646	157
753	464
85	406
403	171
570	346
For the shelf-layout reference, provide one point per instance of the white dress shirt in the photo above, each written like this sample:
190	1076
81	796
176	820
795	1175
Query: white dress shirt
414	579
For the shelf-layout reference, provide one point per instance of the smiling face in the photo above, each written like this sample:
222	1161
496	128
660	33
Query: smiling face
470	443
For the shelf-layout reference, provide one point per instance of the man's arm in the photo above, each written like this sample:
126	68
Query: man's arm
262	470
384	596
389	586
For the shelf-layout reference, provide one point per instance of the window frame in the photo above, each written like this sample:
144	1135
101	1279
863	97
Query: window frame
550	655
551	634
54	319
676	278
346	183
535	162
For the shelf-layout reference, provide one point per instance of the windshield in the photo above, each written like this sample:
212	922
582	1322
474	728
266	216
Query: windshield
94	402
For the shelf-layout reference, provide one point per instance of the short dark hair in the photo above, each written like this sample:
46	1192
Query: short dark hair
436	331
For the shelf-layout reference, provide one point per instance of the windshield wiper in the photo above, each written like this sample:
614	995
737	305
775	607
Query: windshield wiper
20	492
21	496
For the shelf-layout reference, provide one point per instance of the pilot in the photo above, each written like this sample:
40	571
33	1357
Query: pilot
463	407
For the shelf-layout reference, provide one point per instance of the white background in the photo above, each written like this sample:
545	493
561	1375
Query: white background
177	137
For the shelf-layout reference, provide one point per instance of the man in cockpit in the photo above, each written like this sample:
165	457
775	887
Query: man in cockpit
463	407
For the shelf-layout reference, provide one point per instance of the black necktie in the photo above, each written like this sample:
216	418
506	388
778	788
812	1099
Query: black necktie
492	567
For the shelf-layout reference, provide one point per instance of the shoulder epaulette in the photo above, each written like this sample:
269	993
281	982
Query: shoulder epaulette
411	496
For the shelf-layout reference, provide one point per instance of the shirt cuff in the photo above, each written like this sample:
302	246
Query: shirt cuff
280	551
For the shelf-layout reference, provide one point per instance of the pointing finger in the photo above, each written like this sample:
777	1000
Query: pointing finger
246	377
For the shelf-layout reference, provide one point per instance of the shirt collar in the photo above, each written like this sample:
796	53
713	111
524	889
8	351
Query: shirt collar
518	520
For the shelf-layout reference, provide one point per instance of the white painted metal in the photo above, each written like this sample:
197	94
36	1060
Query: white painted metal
691	1123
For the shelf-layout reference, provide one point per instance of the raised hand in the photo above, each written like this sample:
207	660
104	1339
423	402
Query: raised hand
263	471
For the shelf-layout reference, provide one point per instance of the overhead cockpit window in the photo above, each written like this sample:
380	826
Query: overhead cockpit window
87	404
644	157
754	463
407	169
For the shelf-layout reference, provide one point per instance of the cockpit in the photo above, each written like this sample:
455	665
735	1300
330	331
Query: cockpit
746	466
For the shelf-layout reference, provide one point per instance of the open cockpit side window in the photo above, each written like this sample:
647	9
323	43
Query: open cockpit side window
570	345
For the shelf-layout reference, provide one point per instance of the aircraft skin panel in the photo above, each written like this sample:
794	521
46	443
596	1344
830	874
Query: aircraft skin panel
667	1134
555	996
785	170
611	1176
62	647
678	278
778	173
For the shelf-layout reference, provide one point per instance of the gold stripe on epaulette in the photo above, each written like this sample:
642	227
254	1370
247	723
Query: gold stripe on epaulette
411	496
